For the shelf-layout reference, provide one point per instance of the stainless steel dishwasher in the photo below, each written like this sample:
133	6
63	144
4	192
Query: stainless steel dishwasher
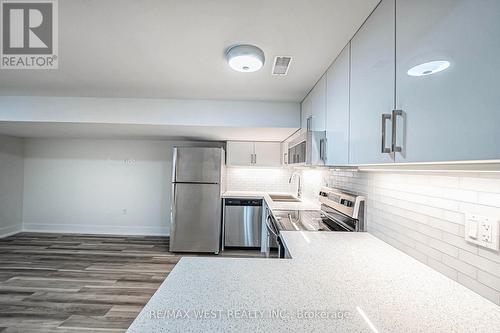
242	222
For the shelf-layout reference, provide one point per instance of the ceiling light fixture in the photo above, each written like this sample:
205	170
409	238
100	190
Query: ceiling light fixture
428	68
245	58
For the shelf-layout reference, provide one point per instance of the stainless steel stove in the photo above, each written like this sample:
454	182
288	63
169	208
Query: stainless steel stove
340	211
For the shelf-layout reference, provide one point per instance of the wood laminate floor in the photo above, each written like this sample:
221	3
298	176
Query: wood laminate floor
81	283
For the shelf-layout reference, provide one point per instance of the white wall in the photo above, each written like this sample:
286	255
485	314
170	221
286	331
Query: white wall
98	186
11	184
423	215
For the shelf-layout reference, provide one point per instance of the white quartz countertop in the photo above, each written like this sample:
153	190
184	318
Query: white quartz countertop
336	282
304	204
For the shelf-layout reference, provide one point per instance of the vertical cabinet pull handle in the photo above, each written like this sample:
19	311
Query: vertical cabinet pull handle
322	149
385	118
254	158
309	123
396	113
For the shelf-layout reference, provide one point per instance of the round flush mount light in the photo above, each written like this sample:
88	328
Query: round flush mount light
245	58
428	68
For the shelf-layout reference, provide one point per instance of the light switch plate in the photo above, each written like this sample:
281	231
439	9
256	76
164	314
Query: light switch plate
482	230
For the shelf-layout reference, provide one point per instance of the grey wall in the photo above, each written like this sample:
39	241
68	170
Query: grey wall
11	184
98	186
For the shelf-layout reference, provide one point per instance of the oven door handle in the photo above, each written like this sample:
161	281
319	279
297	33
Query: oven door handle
270	227
340	223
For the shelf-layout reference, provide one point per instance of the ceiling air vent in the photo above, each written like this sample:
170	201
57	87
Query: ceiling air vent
281	65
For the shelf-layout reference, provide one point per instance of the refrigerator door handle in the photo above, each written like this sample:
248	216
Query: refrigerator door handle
172	211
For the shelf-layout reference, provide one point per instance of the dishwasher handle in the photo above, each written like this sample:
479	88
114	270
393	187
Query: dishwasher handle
244	202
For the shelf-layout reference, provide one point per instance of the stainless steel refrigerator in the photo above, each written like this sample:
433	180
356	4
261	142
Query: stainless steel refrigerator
196	202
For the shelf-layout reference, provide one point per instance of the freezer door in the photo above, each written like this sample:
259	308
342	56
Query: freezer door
197	165
196	218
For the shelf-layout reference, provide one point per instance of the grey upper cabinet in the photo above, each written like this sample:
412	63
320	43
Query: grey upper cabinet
240	153
318	99
248	153
313	108
372	87
452	115
337	110
306	112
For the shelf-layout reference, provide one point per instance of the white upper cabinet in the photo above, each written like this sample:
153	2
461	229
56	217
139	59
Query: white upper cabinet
267	154
452	115
372	87
240	153
248	153
306	112
337	110
313	108
318	101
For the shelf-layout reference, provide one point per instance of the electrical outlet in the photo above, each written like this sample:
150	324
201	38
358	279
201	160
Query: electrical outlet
482	230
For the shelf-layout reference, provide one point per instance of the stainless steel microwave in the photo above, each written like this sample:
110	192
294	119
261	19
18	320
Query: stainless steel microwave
308	148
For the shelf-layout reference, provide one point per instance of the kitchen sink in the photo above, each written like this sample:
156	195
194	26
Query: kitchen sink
283	198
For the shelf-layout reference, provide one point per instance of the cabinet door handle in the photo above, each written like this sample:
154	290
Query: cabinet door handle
251	158
385	118
396	113
309	123
285	158
254	158
322	149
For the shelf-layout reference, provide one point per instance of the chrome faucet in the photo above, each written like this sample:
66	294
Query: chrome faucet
299	186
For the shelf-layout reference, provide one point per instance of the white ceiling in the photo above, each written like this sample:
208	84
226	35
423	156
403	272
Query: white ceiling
175	48
121	131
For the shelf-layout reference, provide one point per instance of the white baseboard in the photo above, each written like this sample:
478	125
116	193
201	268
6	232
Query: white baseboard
10	230
97	229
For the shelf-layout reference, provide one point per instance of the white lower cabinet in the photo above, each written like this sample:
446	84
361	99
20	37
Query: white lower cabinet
249	153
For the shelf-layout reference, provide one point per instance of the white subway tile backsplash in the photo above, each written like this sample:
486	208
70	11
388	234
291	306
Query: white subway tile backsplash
259	179
459	242
479	288
489	280
429	251
423	215
443	247
444	225
444	181
443	269
483	183
489	254
460	266
489	199
480	262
